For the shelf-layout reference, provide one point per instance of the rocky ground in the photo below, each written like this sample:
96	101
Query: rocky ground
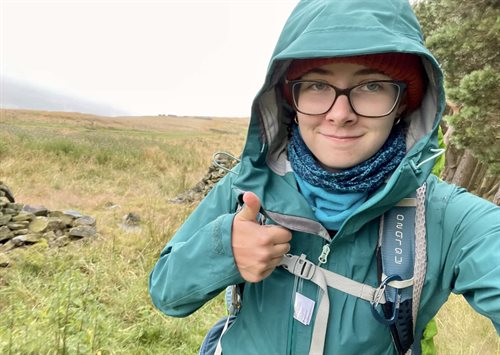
24	225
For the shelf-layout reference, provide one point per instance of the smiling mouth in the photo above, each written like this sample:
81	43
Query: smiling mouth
340	138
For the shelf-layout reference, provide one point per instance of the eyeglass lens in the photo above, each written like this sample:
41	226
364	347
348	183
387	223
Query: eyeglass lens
372	99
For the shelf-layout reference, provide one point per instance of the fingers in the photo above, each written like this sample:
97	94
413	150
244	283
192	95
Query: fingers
259	262
258	273
279	250
276	235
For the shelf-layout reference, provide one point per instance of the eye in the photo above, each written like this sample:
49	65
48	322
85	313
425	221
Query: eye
315	86
372	86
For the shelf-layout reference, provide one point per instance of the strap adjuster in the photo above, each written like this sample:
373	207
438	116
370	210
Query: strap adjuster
299	266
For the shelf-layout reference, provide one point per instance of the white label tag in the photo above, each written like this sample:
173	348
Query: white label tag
303	308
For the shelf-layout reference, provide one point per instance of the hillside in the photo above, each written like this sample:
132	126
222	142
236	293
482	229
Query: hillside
161	123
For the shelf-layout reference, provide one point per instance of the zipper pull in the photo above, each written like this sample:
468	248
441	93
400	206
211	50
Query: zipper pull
324	254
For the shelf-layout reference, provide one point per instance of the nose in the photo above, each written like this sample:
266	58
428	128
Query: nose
341	113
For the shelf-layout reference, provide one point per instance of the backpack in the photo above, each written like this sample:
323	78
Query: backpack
401	266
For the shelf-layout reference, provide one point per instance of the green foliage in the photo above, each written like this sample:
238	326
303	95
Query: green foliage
479	126
438	167
427	343
465	37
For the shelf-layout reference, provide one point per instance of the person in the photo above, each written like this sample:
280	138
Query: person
344	127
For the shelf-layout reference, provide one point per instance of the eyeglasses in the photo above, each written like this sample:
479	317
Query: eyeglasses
370	99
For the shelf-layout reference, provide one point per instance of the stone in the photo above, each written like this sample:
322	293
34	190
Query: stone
4	260
23	216
7	247
84	221
16	242
55	214
82	232
28	238
56	223
20	231
131	219
18	225
50	235
131	223
5	191
15	206
5	234
5	219
67	217
39	225
10	211
67	220
36	210
74	214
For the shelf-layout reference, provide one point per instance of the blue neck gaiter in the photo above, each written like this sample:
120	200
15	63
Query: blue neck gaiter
334	196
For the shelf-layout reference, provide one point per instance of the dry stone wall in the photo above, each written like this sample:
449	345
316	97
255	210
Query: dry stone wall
24	225
215	172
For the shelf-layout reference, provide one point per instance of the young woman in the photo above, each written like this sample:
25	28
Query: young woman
344	127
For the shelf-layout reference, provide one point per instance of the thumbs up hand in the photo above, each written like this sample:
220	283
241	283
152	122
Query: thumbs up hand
257	249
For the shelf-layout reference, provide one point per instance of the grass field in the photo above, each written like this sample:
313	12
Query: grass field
91	297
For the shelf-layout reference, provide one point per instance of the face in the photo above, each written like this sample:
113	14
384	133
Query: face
340	139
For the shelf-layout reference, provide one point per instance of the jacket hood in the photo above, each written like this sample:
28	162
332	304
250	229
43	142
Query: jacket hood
338	28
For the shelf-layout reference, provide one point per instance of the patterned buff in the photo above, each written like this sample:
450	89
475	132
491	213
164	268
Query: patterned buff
364	177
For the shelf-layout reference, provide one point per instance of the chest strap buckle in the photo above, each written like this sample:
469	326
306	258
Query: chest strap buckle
300	267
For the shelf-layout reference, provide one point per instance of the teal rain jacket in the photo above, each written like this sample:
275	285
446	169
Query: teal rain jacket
463	231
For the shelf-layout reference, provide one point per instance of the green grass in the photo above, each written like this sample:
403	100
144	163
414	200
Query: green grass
91	297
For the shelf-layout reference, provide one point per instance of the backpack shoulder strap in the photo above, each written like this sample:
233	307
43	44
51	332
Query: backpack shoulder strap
401	255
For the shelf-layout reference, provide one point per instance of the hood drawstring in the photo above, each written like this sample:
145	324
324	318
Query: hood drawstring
217	163
437	152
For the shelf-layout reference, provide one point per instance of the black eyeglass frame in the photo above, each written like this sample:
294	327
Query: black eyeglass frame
347	92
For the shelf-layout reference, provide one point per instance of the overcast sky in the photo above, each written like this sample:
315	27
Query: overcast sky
143	57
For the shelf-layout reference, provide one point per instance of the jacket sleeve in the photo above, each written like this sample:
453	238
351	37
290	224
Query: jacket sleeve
474	254
198	262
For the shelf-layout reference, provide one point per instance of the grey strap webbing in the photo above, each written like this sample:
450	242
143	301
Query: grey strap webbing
218	349
303	268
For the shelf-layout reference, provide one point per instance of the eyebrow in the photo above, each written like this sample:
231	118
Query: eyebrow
364	71
368	71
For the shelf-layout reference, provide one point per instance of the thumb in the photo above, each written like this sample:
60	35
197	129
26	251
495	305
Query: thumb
251	207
